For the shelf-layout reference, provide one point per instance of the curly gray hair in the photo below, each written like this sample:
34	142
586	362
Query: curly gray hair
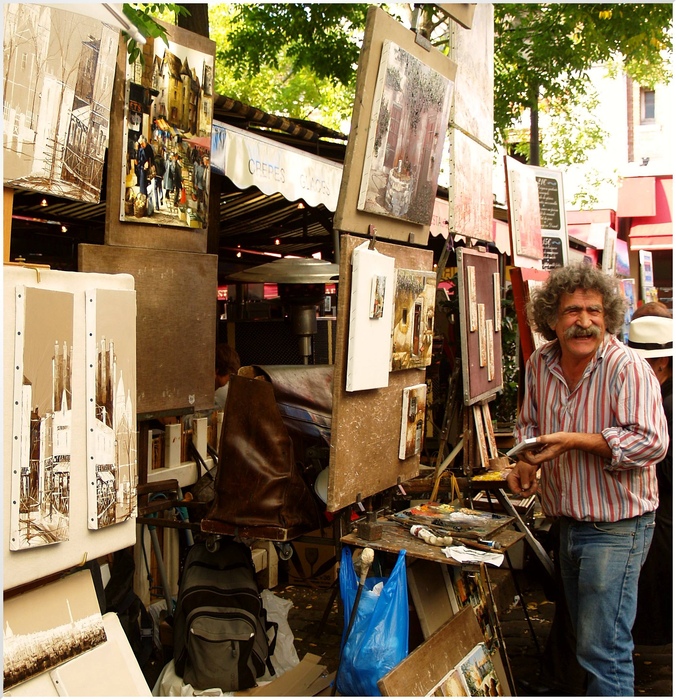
543	307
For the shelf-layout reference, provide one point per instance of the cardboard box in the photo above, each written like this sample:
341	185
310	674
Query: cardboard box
312	556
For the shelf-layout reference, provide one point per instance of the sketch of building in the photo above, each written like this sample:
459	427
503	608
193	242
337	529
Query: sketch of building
58	82
114	442
26	655
44	493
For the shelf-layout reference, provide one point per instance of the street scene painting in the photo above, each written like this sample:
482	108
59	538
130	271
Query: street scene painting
413	319
167	145
407	129
42	418
58	84
111	406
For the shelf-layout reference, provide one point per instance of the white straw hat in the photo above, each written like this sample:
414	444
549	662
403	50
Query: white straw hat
652	336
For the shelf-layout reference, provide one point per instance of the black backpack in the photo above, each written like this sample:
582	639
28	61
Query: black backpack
220	624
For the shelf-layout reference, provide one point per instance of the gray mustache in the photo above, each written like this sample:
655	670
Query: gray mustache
577	332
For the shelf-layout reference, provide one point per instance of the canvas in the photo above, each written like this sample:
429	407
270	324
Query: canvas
167	143
111	406
413	319
479	673
472	191
42	418
49	625
524	214
58	84
413	407
406	138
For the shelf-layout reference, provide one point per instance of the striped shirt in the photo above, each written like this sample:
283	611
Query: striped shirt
617	396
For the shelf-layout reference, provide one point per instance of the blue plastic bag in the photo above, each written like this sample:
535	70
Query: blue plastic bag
378	640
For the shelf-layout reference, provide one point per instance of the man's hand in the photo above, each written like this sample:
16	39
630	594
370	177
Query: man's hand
522	479
553	445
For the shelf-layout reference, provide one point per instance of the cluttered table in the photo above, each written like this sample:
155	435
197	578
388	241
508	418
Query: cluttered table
470	530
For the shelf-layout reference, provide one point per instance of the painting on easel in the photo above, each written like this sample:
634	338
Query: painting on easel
406	134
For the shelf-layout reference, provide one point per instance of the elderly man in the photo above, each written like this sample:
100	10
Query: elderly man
595	407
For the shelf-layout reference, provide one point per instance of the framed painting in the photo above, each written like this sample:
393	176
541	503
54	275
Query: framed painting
111	406
523	203
399	124
59	70
42	418
167	126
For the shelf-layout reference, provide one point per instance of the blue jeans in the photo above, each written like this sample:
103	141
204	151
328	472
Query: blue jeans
600	566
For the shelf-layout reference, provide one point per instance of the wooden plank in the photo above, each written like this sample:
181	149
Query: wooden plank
429	590
395	538
426	665
365	425
488	425
176	311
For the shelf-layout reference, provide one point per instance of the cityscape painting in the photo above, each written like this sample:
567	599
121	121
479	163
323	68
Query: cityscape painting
111	406
167	145
58	83
42	419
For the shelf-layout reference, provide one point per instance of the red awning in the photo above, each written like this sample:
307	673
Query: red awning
655	232
636	197
200	142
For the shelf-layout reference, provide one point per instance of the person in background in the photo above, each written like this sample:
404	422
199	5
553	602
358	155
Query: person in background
227	363
652	308
652	338
595	407
173	180
200	180
143	163
158	177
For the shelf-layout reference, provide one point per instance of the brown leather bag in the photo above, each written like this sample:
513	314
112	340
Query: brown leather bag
260	492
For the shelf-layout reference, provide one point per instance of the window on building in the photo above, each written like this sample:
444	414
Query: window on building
647	106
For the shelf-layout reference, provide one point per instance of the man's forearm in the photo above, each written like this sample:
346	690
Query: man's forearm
592	442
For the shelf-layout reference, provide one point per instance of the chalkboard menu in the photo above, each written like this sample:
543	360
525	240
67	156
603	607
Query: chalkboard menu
550	212
552	252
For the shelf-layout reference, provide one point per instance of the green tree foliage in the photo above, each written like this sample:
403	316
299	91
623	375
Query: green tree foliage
281	88
142	16
323	37
546	49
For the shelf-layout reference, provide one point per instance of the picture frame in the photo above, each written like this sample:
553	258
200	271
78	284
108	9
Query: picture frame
365	149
